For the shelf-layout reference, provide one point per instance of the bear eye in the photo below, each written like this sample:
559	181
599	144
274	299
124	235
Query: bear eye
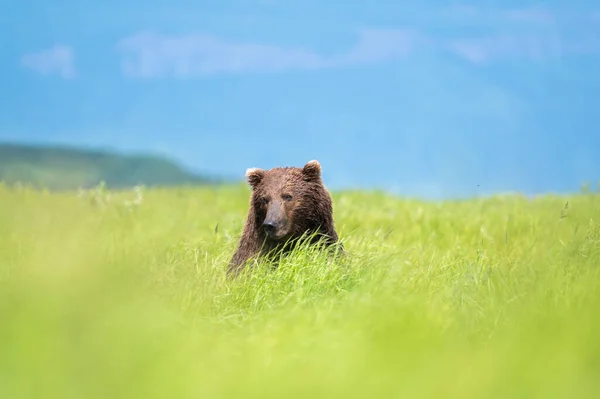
264	201
286	197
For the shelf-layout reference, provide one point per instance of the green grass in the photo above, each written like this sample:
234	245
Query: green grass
485	298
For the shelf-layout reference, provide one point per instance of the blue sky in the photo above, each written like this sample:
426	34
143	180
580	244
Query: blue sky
431	98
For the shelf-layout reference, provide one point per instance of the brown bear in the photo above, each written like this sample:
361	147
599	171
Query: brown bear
286	203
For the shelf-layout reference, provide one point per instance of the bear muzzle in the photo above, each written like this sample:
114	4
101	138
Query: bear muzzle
270	228
274	230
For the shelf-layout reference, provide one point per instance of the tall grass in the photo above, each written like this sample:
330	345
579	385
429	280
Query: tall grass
124	296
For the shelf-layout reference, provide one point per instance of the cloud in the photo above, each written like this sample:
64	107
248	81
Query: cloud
520	33
492	34
58	59
149	54
376	45
492	15
529	15
485	49
532	18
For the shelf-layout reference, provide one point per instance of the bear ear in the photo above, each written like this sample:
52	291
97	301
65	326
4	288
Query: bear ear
312	170
254	176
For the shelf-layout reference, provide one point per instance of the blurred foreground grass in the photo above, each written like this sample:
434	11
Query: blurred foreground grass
105	297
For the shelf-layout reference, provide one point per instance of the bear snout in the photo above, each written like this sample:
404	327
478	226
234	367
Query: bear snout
270	228
275	229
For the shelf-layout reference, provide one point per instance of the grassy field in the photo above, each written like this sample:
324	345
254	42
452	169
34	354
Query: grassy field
106	297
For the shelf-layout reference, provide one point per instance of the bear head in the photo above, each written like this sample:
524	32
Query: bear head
288	201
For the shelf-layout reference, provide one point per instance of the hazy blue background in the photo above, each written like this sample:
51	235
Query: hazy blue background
427	98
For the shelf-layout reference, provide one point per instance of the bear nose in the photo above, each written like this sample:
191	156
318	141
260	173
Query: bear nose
269	227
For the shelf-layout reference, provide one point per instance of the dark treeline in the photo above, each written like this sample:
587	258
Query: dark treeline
64	168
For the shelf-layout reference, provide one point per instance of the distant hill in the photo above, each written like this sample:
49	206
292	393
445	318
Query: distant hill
65	168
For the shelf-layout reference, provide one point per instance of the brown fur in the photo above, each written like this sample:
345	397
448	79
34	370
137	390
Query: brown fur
293	201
